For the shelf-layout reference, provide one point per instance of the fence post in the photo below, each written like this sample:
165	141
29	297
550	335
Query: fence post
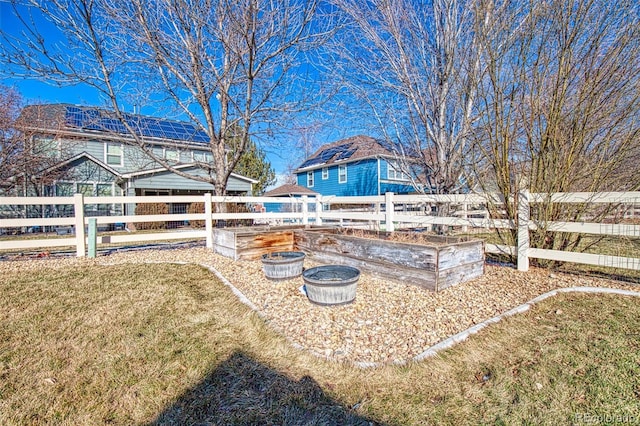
523	230
318	210
305	210
78	213
92	237
389	209
208	221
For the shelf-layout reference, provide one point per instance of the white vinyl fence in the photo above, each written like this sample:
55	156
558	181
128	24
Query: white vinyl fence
387	212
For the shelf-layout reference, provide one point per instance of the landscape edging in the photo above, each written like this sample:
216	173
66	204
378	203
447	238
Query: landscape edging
464	335
452	340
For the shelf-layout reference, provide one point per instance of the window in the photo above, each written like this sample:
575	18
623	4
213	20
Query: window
104	190
199	156
113	154
85	189
64	189
171	154
309	179
394	172
342	173
152	193
325	173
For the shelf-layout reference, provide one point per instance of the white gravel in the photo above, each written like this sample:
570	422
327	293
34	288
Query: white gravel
388	322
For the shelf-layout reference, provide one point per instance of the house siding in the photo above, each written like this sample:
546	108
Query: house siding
396	188
362	178
165	180
389	185
135	160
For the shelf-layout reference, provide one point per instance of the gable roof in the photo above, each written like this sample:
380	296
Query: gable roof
289	189
93	120
348	150
77	157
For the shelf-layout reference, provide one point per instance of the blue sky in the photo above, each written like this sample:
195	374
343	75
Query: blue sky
280	151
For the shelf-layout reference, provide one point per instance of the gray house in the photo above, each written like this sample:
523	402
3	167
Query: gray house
94	154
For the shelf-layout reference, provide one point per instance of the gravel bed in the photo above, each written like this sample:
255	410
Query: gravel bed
388	321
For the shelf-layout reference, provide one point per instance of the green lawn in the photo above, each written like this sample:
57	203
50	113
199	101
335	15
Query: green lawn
138	344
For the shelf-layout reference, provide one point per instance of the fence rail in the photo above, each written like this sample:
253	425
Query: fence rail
387	212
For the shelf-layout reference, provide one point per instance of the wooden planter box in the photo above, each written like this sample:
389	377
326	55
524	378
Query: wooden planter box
251	243
437	264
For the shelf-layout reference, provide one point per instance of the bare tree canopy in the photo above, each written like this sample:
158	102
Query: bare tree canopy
231	67
560	98
11	143
415	65
24	166
559	103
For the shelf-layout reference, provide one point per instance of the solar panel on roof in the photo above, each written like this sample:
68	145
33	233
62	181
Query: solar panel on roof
311	162
93	119
327	154
346	154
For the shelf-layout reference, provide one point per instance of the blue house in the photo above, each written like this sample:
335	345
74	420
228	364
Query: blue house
356	166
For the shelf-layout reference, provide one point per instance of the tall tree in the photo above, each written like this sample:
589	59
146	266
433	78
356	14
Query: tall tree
415	65
254	164
11	142
223	64
25	166
559	103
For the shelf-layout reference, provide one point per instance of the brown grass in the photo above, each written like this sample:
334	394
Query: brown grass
135	344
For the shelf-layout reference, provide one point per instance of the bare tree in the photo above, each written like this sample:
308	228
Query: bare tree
559	105
415	64
26	167
228	66
11	142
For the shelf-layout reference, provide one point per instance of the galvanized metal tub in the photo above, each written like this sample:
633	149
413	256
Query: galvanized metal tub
283	265
331	284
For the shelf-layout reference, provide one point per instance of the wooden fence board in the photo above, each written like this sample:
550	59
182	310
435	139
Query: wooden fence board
383	209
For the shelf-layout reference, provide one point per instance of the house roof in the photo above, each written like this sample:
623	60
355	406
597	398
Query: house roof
66	117
180	166
348	150
78	156
289	189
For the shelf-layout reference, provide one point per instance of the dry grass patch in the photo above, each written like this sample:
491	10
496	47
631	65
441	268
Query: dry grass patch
137	344
101	344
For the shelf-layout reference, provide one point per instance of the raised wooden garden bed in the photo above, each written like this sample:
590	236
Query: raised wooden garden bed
251	243
435	263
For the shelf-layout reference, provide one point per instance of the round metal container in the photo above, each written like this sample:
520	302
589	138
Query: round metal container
331	284
283	265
